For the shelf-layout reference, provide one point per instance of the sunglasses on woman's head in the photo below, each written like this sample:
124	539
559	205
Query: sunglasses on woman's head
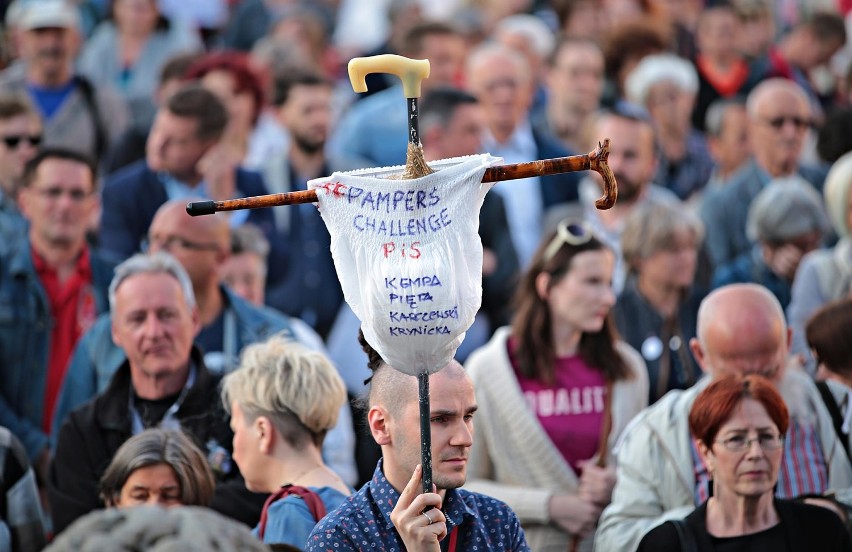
573	232
14	140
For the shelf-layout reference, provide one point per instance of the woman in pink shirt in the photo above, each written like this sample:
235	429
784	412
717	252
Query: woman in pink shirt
554	391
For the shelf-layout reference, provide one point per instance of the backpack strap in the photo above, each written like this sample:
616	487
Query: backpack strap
836	415
312	501
684	535
88	93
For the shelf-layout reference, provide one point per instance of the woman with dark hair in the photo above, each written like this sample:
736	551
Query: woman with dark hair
158	467
128	51
739	425
829	335
554	392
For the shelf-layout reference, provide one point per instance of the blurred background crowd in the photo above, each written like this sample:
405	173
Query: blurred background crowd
731	130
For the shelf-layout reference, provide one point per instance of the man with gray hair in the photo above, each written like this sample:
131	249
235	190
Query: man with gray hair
660	477
161	529
779	116
163	382
503	83
727	139
786	220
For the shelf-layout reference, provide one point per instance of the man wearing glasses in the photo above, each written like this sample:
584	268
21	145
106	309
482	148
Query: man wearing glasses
779	117
52	288
20	136
660	475
228	323
77	115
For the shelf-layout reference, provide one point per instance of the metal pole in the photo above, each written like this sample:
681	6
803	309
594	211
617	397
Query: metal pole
425	430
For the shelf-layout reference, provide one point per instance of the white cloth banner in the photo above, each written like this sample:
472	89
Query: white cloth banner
408	256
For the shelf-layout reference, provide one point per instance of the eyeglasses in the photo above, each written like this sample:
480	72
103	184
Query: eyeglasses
166	242
573	232
740	443
778	122
55	192
14	140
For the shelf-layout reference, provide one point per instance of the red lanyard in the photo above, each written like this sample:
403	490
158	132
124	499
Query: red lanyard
454	537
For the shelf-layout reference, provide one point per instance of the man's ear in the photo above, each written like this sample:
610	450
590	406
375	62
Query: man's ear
698	353
24	198
379	422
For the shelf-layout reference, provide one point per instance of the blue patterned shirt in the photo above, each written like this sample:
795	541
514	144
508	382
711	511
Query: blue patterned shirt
363	522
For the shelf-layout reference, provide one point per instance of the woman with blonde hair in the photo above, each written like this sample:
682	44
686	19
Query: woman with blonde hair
554	391
283	400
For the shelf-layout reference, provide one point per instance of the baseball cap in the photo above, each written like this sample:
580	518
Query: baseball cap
48	14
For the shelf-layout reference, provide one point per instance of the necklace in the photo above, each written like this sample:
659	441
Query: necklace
304	473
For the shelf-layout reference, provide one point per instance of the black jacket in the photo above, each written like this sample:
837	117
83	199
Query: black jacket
806	527
92	434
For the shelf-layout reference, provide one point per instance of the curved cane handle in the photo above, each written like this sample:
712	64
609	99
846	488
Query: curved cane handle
410	71
598	163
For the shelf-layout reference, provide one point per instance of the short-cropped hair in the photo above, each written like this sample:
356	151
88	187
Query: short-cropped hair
156	263
193	101
717	402
55	152
154	447
298	389
652	227
13	104
829	334
247	238
714	119
786	209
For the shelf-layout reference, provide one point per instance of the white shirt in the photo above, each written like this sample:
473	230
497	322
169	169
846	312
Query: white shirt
524	204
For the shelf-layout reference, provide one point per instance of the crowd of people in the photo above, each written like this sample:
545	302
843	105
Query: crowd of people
673	373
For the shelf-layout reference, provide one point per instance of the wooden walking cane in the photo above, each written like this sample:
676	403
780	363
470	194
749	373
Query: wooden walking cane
595	160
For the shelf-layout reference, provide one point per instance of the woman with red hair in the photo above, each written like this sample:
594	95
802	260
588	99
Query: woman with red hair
243	89
738	424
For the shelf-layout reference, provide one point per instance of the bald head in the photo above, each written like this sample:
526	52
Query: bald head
209	228
200	244
741	328
502	81
779	115
774	90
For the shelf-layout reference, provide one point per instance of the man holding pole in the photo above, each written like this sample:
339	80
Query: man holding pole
389	513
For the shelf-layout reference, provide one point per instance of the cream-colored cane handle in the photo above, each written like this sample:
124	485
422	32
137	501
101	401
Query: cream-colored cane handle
410	71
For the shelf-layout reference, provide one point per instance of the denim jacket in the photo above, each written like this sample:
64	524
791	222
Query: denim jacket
25	326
